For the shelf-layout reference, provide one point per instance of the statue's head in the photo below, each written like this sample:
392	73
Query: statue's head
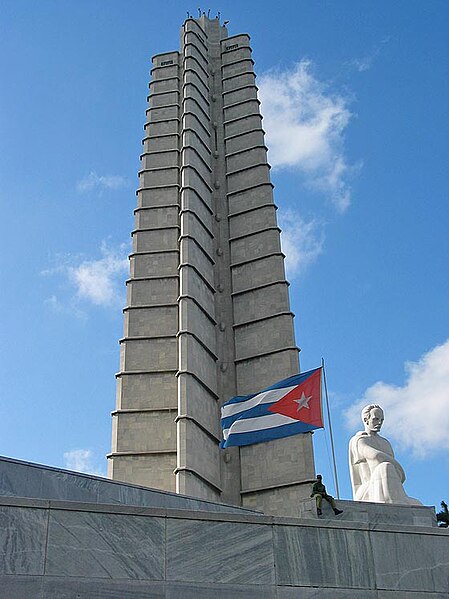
373	418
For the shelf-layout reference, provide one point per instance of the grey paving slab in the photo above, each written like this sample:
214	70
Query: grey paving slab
105	545
225	552
411	562
17	476
325	557
76	588
222	591
322	593
25	502
409	595
128	495
23	533
57	484
21	587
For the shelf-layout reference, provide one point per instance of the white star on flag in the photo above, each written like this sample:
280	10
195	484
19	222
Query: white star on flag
303	402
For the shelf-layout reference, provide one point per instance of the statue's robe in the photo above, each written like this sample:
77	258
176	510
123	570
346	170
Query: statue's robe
379	480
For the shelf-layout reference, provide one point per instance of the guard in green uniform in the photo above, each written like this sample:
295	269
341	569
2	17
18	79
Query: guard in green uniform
319	492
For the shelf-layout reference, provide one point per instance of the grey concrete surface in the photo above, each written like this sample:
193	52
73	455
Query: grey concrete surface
69	550
25	479
374	513
200	553
100	545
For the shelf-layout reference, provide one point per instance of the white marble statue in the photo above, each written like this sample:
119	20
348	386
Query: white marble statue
375	473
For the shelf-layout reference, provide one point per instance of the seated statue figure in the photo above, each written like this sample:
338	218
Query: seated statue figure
375	473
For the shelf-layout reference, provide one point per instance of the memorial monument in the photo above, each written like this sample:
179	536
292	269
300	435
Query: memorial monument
208	314
206	223
376	475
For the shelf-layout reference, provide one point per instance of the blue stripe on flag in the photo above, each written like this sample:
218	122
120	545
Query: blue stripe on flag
286	430
260	410
292	381
247	407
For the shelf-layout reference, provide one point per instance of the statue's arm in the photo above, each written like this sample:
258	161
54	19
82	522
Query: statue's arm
372	454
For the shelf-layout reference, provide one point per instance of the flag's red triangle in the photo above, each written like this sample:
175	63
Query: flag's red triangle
303	402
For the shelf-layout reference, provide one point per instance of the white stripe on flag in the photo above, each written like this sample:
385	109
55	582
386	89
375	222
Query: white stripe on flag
260	398
248	425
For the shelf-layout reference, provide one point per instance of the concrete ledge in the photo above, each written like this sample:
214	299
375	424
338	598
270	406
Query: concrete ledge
20	479
327	522
371	513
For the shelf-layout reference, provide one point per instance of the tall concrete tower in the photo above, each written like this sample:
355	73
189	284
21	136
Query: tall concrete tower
207	313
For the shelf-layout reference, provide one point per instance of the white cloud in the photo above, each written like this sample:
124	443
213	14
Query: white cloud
83	460
361	64
302	242
366	62
99	281
96	280
416	414
305	123
100	182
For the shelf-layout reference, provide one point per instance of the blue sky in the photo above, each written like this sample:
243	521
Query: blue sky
355	97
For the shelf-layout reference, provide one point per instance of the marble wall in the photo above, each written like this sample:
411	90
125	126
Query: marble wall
25	479
54	549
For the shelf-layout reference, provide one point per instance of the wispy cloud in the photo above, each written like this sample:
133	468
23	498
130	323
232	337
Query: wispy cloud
97	281
305	122
83	460
302	242
366	62
416	414
100	183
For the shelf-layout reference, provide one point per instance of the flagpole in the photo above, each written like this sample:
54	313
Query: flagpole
330	429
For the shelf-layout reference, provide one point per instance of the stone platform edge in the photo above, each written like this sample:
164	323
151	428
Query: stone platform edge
185	514
19	478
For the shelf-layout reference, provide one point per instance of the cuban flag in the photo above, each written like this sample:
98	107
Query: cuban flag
286	408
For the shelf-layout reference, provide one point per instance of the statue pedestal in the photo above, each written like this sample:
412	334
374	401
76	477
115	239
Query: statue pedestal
371	513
